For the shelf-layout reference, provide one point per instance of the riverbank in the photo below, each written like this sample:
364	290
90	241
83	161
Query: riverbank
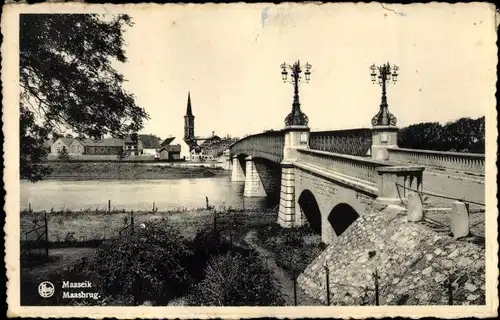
126	171
90	227
244	233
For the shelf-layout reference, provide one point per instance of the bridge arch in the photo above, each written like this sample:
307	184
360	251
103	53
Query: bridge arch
309	206
341	217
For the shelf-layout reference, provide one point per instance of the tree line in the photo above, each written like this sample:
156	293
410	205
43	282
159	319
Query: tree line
462	135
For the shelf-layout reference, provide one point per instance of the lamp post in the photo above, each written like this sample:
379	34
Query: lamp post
296	117
384	74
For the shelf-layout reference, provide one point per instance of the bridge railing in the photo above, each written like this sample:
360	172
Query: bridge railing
355	142
357	167
269	144
466	162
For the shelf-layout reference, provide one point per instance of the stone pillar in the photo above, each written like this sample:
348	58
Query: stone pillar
460	219
237	174
253	184
389	177
383	137
415	207
286	214
296	137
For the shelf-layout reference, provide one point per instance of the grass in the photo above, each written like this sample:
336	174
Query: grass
125	170
89	227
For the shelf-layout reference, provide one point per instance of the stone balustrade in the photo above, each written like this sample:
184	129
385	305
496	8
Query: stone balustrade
353	166
466	162
395	181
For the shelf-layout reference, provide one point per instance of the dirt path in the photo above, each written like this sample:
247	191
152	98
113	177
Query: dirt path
281	278
64	257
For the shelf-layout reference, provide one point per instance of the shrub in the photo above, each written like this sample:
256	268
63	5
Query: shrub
63	154
205	245
147	265
237	278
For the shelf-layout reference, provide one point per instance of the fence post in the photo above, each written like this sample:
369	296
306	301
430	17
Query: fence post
46	235
153	206
327	272
208	205
375	275
109	205
450	291
294	287
29	207
215	221
132	221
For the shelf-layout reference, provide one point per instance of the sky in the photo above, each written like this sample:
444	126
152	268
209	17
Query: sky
229	57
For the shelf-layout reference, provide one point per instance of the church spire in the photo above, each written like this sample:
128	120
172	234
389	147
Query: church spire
189	121
189	112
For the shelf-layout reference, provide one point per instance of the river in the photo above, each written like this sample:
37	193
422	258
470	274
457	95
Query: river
139	194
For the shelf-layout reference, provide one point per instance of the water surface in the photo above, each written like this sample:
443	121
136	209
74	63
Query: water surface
139	194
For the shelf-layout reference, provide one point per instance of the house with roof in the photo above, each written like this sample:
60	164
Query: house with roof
150	144
77	146
170	152
145	144
60	144
107	146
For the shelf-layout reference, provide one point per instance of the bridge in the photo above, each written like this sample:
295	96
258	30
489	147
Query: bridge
329	178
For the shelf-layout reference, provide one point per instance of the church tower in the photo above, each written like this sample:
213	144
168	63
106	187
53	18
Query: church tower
189	121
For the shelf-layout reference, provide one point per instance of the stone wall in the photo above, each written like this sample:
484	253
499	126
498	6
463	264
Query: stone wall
413	263
328	194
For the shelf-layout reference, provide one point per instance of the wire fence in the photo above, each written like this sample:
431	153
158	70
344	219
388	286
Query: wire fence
373	295
471	223
433	194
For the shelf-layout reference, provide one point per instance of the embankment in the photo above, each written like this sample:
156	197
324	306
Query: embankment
81	228
413	264
125	171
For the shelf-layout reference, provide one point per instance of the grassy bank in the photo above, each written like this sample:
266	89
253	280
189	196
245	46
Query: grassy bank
178	256
125	171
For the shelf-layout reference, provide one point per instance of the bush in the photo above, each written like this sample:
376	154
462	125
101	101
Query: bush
237	278
303	245
205	245
148	265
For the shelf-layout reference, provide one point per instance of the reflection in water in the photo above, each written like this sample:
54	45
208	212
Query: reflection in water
139	194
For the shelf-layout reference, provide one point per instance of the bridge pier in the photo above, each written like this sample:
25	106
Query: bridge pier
237	174
253	183
228	164
286	215
296	137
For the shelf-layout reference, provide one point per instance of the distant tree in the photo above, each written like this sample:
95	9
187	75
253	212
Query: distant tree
462	135
428	135
67	80
63	154
465	135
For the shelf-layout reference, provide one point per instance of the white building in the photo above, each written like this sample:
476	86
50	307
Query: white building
185	152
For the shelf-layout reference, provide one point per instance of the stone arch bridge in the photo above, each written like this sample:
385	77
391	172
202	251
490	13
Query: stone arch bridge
330	178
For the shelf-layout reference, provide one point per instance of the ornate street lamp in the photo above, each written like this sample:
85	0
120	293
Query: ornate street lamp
383	75
296	117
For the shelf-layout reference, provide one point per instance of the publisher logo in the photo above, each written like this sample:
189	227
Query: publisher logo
46	289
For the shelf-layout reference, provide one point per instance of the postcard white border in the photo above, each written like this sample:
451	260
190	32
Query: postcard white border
10	103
